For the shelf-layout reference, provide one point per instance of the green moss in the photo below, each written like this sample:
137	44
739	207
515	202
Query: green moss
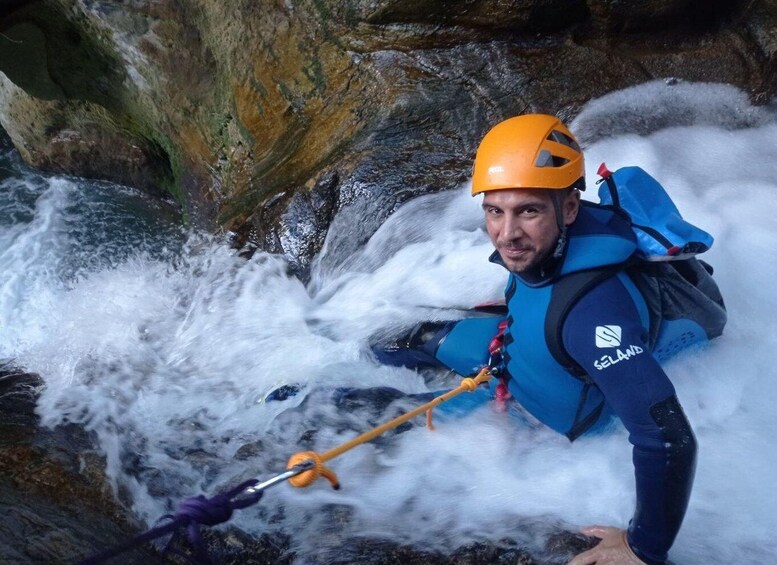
220	125
323	10
259	87
325	16
175	185
170	174
315	74
285	91
351	16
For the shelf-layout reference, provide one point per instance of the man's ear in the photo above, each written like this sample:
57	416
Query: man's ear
571	207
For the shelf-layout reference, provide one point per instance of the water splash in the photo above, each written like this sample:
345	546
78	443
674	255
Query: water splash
166	348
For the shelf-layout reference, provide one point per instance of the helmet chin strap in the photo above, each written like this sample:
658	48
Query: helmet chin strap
551	263
561	243
562	228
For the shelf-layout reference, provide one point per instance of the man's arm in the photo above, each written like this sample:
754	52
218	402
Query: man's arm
603	334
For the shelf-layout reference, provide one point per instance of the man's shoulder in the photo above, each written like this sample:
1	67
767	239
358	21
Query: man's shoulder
604	329
607	300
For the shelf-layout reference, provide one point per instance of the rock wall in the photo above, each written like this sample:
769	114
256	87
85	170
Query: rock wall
267	117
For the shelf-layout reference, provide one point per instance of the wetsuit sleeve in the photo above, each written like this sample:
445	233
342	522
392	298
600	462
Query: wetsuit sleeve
604	335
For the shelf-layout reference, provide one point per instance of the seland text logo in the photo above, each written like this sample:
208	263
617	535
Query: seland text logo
610	337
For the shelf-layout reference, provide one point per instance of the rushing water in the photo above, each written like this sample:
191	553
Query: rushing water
165	344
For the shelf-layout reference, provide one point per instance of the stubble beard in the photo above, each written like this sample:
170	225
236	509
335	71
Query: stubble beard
532	259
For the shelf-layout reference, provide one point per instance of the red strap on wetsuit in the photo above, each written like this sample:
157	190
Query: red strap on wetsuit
498	341
502	394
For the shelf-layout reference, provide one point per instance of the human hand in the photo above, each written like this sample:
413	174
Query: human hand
612	550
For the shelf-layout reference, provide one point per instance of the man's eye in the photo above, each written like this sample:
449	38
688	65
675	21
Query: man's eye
492	210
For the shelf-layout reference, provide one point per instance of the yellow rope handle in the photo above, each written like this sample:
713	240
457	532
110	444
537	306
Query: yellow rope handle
309	477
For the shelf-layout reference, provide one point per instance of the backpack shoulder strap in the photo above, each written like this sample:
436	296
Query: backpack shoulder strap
566	293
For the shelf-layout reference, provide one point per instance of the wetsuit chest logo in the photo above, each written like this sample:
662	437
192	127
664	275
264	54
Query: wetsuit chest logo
608	336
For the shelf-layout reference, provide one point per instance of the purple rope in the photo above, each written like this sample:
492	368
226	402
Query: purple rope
191	513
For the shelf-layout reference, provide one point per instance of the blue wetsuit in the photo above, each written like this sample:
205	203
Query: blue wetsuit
606	334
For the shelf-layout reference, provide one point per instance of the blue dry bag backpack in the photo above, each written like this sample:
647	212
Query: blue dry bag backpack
684	302
662	233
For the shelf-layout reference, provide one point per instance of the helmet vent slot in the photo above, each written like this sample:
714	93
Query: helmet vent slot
564	139
545	159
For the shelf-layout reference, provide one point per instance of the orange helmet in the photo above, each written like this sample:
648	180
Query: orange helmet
529	151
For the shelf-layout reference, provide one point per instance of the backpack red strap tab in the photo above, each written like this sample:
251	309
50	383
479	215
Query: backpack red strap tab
604	172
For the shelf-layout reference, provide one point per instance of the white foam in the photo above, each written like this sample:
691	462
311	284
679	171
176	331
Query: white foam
169	361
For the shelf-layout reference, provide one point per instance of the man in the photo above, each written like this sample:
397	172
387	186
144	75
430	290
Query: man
530	172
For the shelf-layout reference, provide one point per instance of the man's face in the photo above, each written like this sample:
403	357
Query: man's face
521	223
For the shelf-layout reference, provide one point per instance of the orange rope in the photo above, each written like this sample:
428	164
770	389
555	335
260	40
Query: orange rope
309	477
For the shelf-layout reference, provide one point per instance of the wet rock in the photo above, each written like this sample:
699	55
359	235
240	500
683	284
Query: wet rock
249	451
62	102
370	551
57	505
18	393
235	547
761	28
568	543
295	224
270	119
80	143
616	16
515	15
